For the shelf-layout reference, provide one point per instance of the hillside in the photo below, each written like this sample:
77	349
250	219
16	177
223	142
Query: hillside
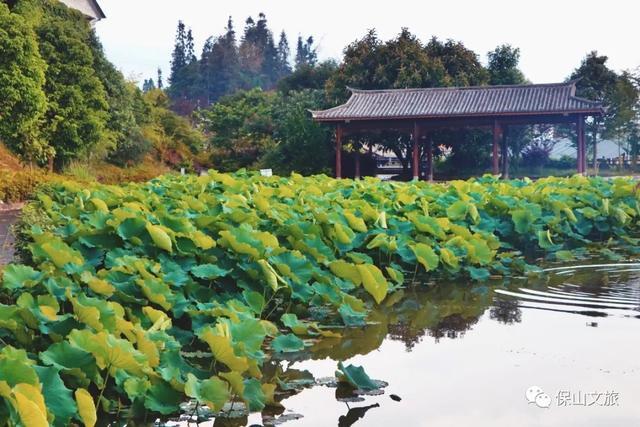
8	161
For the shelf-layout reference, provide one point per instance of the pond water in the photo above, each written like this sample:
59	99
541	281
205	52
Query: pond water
559	350
459	354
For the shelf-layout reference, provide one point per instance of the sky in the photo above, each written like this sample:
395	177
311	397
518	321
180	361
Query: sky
553	35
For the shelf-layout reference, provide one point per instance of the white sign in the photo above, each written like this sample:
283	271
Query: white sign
266	172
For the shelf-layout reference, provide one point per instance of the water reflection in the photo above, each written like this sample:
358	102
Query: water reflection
457	349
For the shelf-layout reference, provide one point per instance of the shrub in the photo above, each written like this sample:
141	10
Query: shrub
21	185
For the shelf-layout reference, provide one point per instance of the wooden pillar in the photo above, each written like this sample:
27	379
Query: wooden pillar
581	157
504	151
595	149
339	151
357	157
497	136
415	163
430	157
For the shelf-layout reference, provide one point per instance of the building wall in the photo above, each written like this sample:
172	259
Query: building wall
86	7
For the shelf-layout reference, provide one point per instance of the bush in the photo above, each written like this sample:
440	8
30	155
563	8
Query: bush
32	215
131	151
21	185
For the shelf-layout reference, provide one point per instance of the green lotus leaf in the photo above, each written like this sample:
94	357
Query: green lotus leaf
71	360
159	237
458	210
213	392
373	281
208	271
523	220
426	256
355	376
287	343
480	274
163	398
254	395
57	396
346	271
17	276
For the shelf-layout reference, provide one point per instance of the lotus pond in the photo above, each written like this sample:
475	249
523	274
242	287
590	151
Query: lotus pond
249	300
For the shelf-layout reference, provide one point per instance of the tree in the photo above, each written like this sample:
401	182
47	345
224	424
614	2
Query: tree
303	146
179	55
190	53
258	55
308	77
241	126
75	123
220	65
503	66
185	80
402	62
22	77
597	82
148	85
160	82
503	69
461	65
283	68
306	55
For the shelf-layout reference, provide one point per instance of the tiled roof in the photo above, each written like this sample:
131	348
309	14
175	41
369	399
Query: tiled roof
557	98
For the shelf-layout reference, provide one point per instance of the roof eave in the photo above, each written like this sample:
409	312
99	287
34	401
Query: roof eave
590	112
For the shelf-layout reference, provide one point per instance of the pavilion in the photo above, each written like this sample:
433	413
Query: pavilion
419	111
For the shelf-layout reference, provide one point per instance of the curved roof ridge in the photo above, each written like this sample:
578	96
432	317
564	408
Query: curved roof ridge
444	88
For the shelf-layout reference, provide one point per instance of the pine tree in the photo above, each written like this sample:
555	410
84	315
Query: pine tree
219	66
258	54
284	68
190	49
179	55
306	54
160	82
148	85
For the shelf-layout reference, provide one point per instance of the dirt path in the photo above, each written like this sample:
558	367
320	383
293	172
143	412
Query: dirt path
7	219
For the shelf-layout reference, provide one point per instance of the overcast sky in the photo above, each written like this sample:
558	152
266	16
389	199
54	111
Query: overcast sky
553	35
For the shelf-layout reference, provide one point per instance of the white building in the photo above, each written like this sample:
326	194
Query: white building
89	8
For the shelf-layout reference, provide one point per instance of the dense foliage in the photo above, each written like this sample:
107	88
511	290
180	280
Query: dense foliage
268	129
62	100
146	295
22	99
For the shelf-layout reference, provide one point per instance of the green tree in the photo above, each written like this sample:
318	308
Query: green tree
220	65
258	55
75	123
306	55
125	143
185	78
22	77
242	128
503	69
303	146
160	81
308	77
597	82
462	65
503	66
148	85
283	68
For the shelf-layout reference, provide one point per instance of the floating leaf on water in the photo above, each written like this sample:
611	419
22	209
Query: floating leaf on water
287	343
356	376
